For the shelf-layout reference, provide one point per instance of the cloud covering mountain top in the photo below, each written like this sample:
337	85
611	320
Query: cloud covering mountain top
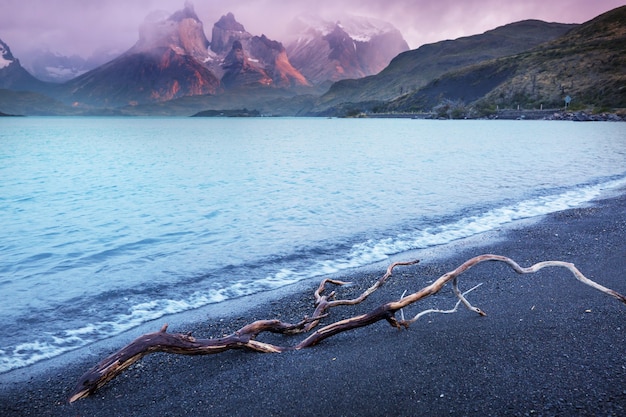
79	27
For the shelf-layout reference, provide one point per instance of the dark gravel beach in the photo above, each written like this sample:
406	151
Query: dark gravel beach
548	346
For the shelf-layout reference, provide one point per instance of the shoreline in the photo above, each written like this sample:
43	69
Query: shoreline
549	345
235	307
511	114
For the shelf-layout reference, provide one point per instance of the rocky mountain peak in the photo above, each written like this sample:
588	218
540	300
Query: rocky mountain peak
181	32
252	60
228	22
342	46
187	12
225	32
238	70
167	62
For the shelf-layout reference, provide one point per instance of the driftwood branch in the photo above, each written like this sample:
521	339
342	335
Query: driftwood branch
245	338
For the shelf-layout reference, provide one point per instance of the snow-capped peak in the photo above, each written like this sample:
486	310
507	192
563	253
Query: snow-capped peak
6	58
363	29
309	25
359	28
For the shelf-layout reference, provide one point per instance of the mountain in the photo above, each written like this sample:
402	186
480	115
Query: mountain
13	76
351	48
166	63
586	64
413	69
248	60
225	31
172	59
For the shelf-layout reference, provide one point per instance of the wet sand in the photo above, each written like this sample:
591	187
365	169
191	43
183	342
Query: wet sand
549	345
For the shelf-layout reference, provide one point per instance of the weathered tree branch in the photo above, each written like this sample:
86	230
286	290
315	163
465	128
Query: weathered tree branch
323	303
183	344
245	338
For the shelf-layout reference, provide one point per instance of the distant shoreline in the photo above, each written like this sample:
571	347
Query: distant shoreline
559	115
550	114
10	115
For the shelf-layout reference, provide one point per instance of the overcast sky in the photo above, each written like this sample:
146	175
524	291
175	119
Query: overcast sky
83	26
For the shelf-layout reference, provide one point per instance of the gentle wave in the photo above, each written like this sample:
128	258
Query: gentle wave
360	254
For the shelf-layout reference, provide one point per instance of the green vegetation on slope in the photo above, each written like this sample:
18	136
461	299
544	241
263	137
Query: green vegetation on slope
586	64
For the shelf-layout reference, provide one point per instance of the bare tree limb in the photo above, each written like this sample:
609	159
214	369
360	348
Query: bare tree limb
387	311
183	344
245	338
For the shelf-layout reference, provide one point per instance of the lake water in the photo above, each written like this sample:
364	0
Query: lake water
107	223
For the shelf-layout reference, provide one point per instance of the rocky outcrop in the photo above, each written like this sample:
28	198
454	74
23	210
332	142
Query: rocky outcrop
181	32
273	57
239	72
343	54
582	116
225	31
6	57
251	60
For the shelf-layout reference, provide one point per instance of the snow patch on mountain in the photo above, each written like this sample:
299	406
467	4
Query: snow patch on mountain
4	62
359	28
364	29
307	26
6	58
